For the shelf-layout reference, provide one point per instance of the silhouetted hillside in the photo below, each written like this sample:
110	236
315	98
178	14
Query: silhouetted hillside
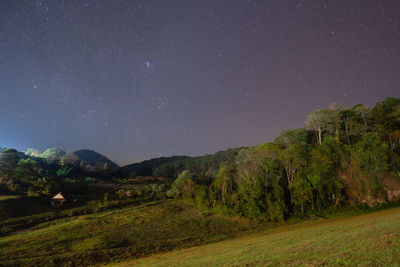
145	168
92	158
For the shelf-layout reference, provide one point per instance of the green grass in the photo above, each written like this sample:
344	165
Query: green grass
139	230
130	232
6	197
364	240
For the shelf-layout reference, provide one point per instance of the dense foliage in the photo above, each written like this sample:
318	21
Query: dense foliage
339	151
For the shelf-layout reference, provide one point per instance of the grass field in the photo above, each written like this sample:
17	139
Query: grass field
364	240
130	232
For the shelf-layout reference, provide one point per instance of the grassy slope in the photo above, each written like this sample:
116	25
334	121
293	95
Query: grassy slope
366	240
129	232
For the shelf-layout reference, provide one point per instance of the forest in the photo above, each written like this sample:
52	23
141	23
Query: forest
343	156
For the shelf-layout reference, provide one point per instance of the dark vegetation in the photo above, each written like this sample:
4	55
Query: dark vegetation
343	158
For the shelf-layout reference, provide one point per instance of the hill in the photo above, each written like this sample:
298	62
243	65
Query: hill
146	168
364	240
92	158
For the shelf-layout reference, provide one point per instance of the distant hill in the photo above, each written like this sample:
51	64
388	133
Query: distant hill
145	168
92	158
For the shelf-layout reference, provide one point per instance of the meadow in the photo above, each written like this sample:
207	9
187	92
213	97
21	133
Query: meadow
363	240
127	232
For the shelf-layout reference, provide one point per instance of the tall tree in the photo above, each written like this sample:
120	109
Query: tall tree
362	111
319	121
335	110
321	173
293	161
267	154
351	125
223	182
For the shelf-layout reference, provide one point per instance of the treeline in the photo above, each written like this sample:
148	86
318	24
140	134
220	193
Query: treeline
341	156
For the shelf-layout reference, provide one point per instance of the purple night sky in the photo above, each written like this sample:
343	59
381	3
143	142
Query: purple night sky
140	79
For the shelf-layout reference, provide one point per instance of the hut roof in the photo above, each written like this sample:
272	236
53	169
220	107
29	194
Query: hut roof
59	197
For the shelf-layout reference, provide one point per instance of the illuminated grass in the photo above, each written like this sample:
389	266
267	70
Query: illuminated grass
364	240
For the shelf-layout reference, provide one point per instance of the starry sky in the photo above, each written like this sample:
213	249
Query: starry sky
136	79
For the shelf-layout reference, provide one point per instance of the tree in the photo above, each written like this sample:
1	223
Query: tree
383	117
291	137
267	154
370	155
26	169
64	171
40	187
223	182
395	113
250	199
246	164
335	109
321	173
302	193
352	124
292	160
319	121
362	111
276	208
182	186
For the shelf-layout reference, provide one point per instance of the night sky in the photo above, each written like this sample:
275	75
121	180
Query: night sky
140	79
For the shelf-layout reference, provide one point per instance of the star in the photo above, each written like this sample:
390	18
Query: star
224	70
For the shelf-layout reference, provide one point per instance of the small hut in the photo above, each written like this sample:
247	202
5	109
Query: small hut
58	200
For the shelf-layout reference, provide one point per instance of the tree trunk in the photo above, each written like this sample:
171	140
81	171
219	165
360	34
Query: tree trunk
312	202
365	121
319	136
223	193
347	133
